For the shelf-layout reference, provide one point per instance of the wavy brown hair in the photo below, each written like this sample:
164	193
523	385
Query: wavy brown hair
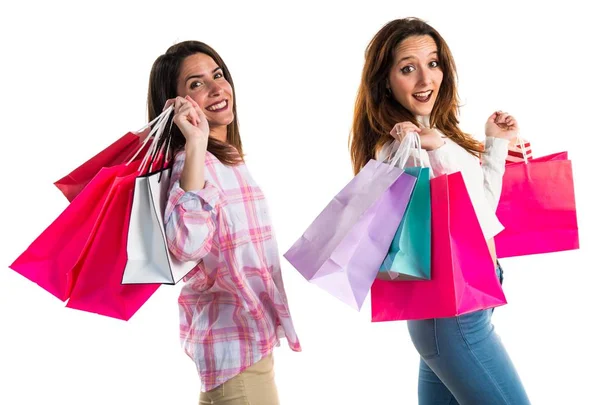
163	86
376	113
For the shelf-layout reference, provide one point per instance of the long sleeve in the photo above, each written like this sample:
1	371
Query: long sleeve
451	158
190	217
493	162
444	160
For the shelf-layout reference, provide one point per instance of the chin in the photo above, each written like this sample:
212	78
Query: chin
220	121
424	111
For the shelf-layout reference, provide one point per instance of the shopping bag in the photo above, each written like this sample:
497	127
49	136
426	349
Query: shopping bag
50	259
537	207
409	256
131	146
53	259
148	257
98	287
343	248
519	149
463	276
100	268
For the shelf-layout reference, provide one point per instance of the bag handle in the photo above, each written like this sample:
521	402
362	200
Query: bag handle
402	153
522	145
155	134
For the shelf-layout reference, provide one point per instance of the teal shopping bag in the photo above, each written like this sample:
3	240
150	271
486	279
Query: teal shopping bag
409	256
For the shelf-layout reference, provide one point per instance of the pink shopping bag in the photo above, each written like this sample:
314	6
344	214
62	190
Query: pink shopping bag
537	207
463	277
50	259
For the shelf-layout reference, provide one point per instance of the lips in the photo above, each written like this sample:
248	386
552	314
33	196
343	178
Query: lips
218	106
423	97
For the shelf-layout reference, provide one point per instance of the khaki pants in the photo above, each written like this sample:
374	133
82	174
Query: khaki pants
254	386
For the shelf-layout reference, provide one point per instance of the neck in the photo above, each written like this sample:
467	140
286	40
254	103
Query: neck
423	120
219	133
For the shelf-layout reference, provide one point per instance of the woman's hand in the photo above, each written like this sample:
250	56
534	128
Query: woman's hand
430	138
190	120
501	125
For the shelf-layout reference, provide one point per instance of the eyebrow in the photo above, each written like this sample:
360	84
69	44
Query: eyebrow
201	76
412	57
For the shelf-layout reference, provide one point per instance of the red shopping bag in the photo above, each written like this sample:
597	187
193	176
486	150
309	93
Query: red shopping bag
119	152
537	207
50	259
98	287
518	150
463	277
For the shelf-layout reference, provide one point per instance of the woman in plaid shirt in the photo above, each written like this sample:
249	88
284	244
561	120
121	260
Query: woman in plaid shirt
233	306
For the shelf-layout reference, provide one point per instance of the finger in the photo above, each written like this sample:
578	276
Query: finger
410	127
193	115
502	118
196	106
192	101
182	113
180	102
396	130
169	103
189	112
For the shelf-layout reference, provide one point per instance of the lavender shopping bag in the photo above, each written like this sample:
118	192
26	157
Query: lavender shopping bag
342	250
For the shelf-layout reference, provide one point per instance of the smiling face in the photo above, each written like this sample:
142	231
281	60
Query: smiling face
203	80
416	76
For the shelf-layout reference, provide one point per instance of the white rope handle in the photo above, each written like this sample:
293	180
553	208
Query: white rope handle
522	145
402	154
159	131
158	120
148	125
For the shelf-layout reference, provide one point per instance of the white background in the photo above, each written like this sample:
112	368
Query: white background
73	78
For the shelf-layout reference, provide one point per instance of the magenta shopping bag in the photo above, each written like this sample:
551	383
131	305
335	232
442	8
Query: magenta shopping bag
50	259
98	287
463	276
537	207
342	250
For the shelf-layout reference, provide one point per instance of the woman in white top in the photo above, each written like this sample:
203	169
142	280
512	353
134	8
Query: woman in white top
409	85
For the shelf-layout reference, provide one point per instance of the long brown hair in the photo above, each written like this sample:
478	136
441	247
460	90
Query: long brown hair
163	86
376	113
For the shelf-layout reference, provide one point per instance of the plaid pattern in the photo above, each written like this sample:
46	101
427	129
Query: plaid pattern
233	307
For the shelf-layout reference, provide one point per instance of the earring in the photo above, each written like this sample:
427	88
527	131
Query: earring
388	92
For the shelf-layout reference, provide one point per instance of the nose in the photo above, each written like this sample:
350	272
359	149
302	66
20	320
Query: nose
214	89
425	76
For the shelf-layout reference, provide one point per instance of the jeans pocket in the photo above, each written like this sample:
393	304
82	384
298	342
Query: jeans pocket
424	337
475	326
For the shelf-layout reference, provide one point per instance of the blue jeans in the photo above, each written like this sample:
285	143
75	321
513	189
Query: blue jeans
464	362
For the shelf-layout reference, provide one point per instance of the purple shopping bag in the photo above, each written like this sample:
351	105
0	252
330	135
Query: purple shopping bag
342	250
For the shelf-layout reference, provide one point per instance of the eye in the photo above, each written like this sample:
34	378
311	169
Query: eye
218	75
196	84
434	64
407	69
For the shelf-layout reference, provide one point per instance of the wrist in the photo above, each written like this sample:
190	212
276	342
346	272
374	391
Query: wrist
196	145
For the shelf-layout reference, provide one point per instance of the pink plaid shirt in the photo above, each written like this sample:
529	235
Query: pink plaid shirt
233	307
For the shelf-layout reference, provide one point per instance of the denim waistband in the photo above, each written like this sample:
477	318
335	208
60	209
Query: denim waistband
499	272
